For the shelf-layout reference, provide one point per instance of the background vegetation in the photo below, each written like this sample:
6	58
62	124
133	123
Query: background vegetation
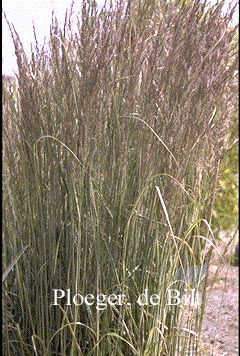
112	142
225	213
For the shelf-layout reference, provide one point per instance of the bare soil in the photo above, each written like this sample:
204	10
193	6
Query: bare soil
220	326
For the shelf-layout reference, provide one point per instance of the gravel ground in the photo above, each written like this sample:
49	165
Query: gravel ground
220	326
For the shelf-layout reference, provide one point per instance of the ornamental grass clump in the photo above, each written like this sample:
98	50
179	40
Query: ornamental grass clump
112	143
